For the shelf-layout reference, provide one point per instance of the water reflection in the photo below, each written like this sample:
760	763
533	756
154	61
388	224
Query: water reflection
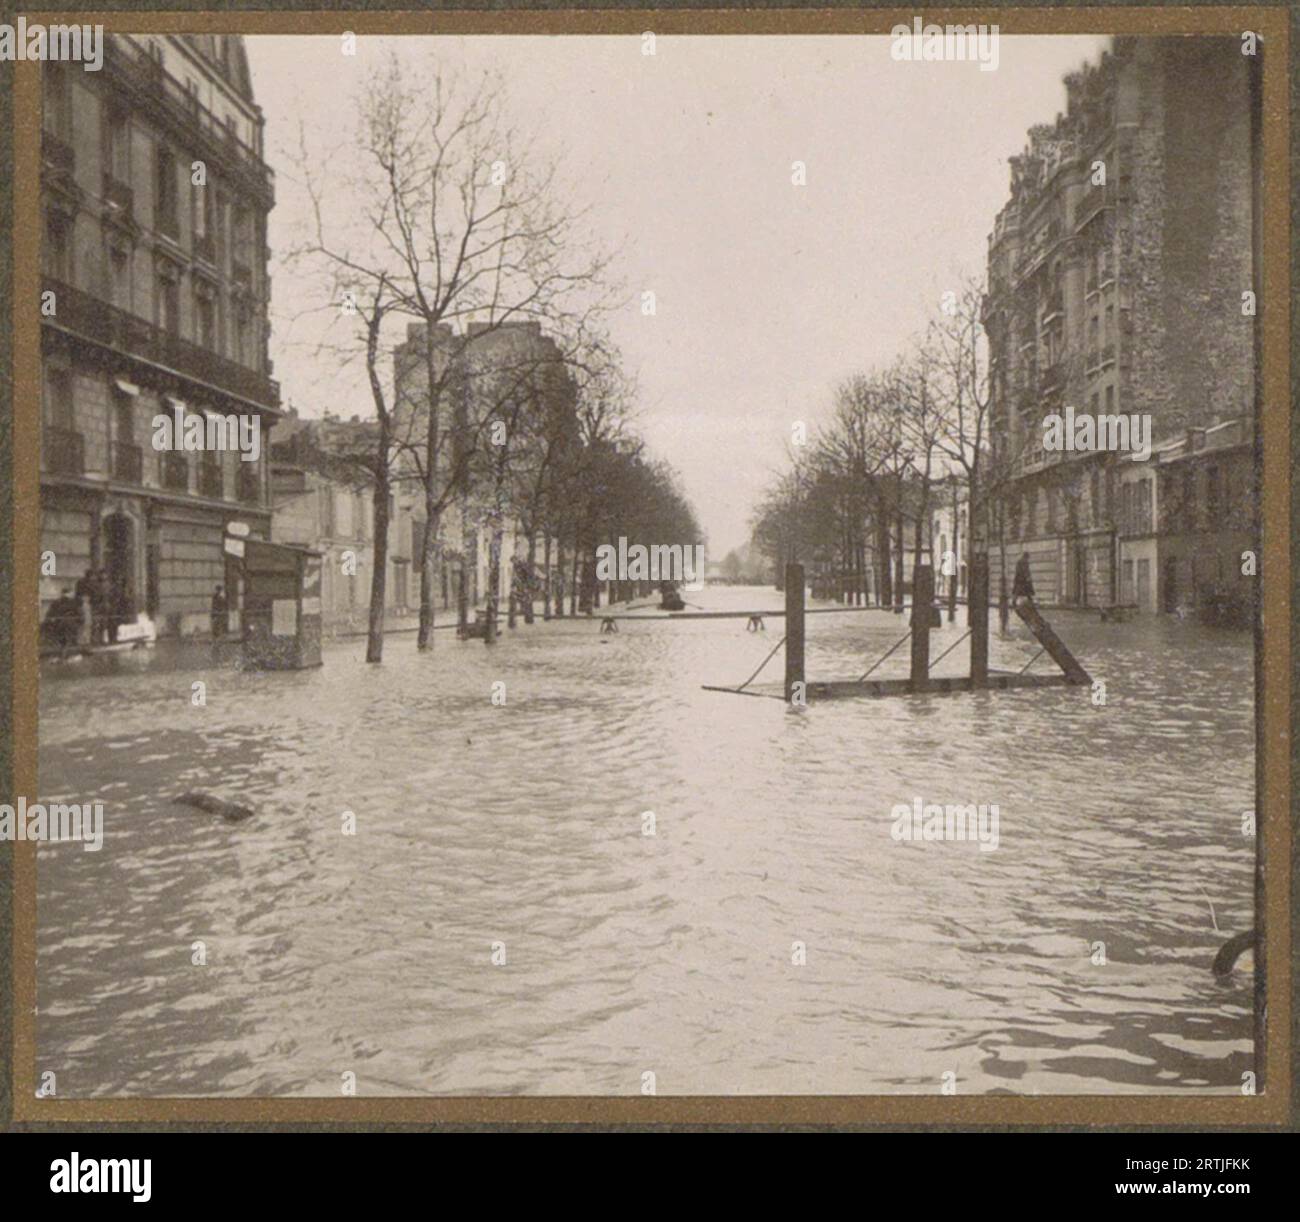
625	953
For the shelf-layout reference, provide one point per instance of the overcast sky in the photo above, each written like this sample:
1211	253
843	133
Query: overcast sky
767	294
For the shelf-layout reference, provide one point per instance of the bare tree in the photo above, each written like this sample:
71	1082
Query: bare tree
440	200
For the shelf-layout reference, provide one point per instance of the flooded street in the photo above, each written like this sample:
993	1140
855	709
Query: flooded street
673	954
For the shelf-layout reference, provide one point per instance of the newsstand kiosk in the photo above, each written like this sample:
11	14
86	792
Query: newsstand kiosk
282	606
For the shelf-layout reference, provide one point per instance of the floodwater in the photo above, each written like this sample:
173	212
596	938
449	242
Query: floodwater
516	832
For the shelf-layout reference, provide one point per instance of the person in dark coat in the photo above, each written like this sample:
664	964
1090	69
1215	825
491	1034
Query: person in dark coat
220	614
97	591
82	593
62	622
1023	584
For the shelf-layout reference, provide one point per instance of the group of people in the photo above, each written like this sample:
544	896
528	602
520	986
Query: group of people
86	613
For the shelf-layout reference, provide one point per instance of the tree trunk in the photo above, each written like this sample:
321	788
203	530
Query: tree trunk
469	555
573	586
546	575
428	567
494	583
379	573
899	555
886	587
532	568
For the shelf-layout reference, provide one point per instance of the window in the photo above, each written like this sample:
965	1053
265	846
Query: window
242	331
1212	497
58	399
56	112
119	275
1110	400
200	210
222	209
169	299
241	240
123	417
58	241
117	146
165	195
205	322
1094	497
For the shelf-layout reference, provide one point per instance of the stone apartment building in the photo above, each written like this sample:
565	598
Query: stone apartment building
484	373
321	500
1116	274
154	195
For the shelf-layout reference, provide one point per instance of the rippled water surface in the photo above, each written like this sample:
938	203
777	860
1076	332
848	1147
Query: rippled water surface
674	953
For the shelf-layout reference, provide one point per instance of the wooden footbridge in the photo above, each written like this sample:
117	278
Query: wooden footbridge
799	690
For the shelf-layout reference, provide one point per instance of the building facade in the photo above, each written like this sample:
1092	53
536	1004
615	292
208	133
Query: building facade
322	500
1117	277
509	375
154	302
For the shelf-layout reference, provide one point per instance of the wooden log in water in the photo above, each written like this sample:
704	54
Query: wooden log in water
232	812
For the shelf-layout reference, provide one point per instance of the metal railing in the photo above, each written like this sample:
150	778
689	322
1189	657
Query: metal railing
93	319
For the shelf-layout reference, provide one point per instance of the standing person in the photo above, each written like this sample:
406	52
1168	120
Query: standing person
85	615
1023	584
97	592
220	614
62	621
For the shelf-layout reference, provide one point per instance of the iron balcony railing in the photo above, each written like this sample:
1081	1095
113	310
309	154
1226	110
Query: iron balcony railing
93	319
144	75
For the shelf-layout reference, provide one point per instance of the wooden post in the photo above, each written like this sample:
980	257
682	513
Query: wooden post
794	624
1048	639
977	591
922	610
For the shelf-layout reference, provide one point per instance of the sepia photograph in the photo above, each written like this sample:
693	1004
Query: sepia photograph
631	565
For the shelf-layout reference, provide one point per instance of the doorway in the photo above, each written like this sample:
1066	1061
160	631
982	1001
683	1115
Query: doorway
119	565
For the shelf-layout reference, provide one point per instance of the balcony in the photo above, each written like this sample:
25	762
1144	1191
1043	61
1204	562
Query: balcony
118	195
1094	200
64	451
95	320
144	78
175	471
210	479
249	488
127	462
